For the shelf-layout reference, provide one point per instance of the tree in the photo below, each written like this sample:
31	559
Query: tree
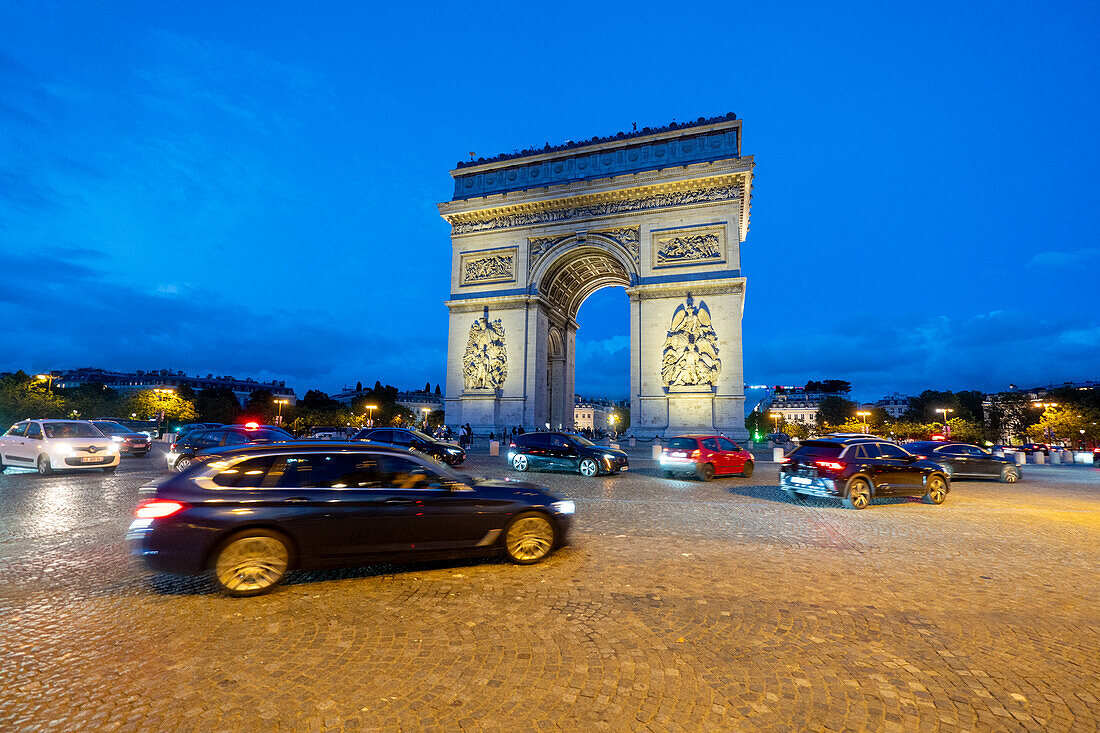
438	391
834	410
755	423
1059	425
358	386
147	403
829	386
23	397
261	406
217	404
427	387
92	400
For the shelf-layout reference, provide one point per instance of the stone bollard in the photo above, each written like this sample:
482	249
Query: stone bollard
1020	456
614	446
777	454
1067	457
633	442
494	447
1040	458
1056	458
656	451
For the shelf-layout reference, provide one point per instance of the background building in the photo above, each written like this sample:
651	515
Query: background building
139	380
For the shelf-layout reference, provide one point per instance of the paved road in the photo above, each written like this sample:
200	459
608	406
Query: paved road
678	606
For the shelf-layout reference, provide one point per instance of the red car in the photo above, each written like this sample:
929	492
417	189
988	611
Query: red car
705	456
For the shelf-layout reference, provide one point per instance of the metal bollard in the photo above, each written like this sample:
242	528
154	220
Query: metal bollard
494	447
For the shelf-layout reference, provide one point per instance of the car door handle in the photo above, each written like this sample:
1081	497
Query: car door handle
296	499
399	501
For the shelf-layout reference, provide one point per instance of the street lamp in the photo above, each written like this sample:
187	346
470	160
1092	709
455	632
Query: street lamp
776	415
162	393
425	410
370	414
49	385
946	427
279	417
611	420
864	414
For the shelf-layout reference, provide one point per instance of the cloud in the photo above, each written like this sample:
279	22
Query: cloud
1075	258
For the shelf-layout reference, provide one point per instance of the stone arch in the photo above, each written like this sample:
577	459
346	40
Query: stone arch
579	266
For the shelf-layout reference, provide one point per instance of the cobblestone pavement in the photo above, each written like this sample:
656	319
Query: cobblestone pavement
678	606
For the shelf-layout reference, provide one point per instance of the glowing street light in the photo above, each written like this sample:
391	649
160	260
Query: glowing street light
777	416
370	414
946	427
426	411
864	414
44	377
279	417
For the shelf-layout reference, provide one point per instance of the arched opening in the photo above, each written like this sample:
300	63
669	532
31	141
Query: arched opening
603	356
564	284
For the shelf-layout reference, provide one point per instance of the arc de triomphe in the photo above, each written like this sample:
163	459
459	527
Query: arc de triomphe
660	212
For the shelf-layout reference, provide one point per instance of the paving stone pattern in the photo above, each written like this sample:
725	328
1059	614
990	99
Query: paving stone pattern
678	606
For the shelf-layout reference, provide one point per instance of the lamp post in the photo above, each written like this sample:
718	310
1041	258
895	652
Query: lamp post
279	417
946	427
777	416
426	411
864	414
370	414
49	383
162	393
611	420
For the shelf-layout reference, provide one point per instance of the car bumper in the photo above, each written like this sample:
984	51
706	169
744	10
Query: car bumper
816	487
167	548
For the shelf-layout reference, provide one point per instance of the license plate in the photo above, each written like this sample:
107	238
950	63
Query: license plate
89	459
678	455
800	480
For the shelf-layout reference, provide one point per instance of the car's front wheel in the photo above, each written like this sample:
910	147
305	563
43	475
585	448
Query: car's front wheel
747	470
182	464
529	538
519	462
44	467
589	467
859	494
1010	475
936	490
252	562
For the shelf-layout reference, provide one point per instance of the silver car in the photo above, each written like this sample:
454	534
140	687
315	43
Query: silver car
51	445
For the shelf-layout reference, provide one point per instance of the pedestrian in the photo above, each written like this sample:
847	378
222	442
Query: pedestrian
462	436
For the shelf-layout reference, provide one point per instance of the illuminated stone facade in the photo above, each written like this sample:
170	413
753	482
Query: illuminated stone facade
661	213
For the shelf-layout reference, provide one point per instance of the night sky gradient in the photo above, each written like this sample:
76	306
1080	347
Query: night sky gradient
250	188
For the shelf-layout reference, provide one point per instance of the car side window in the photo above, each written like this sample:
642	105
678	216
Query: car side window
560	441
953	450
728	445
976	452
710	444
400	437
246	474
232	438
399	472
891	451
208	440
538	440
315	470
34	431
381	436
18	430
870	450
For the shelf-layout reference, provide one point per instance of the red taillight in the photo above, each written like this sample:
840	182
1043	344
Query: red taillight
923	458
664	451
158	508
511	445
696	453
832	465
173	448
785	460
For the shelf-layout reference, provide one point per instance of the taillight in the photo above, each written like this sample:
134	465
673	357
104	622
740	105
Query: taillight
664	451
785	460
695	453
923	458
511	445
831	465
173	448
158	509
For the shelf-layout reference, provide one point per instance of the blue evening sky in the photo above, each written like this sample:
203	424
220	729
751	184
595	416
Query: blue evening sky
250	188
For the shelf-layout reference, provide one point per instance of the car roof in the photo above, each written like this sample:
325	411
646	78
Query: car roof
847	439
305	446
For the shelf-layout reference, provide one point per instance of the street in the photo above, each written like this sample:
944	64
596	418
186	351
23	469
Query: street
678	605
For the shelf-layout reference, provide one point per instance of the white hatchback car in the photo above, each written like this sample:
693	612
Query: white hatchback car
50	445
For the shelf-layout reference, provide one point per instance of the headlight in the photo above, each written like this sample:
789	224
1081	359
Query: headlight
116	439
112	448
454	451
63	448
610	456
564	507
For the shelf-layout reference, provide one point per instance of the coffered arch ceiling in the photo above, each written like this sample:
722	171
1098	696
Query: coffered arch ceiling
577	274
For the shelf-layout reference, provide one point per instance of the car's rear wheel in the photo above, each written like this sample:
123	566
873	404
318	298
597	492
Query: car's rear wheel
791	494
44	467
529	538
859	494
252	562
748	468
519	462
182	464
1009	475
705	472
589	467
936	490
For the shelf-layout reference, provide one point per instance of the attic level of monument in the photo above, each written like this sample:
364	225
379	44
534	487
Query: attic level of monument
669	147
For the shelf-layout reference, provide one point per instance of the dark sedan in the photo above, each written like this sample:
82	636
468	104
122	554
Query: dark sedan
254	513
185	451
452	455
564	451
129	441
962	460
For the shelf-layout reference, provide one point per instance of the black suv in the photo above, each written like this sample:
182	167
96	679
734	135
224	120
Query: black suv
452	455
857	469
183	452
564	451
962	459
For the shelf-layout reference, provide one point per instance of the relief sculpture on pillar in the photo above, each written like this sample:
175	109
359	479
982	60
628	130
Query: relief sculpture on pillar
691	348
485	364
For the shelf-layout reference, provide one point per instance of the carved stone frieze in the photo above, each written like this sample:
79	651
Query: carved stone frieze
654	201
485	363
691	349
539	246
690	247
629	237
493	266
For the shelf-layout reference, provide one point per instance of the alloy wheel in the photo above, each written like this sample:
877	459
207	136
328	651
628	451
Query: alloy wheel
252	564
529	539
589	468
44	467
937	490
183	464
859	494
519	462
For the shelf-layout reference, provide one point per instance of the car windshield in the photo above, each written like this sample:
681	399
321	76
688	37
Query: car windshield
112	428
421	435
70	430
269	434
818	449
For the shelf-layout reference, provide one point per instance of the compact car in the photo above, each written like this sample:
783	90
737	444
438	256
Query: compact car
185	451
251	514
452	455
962	460
129	441
52	445
564	451
705	456
859	469
1030	448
